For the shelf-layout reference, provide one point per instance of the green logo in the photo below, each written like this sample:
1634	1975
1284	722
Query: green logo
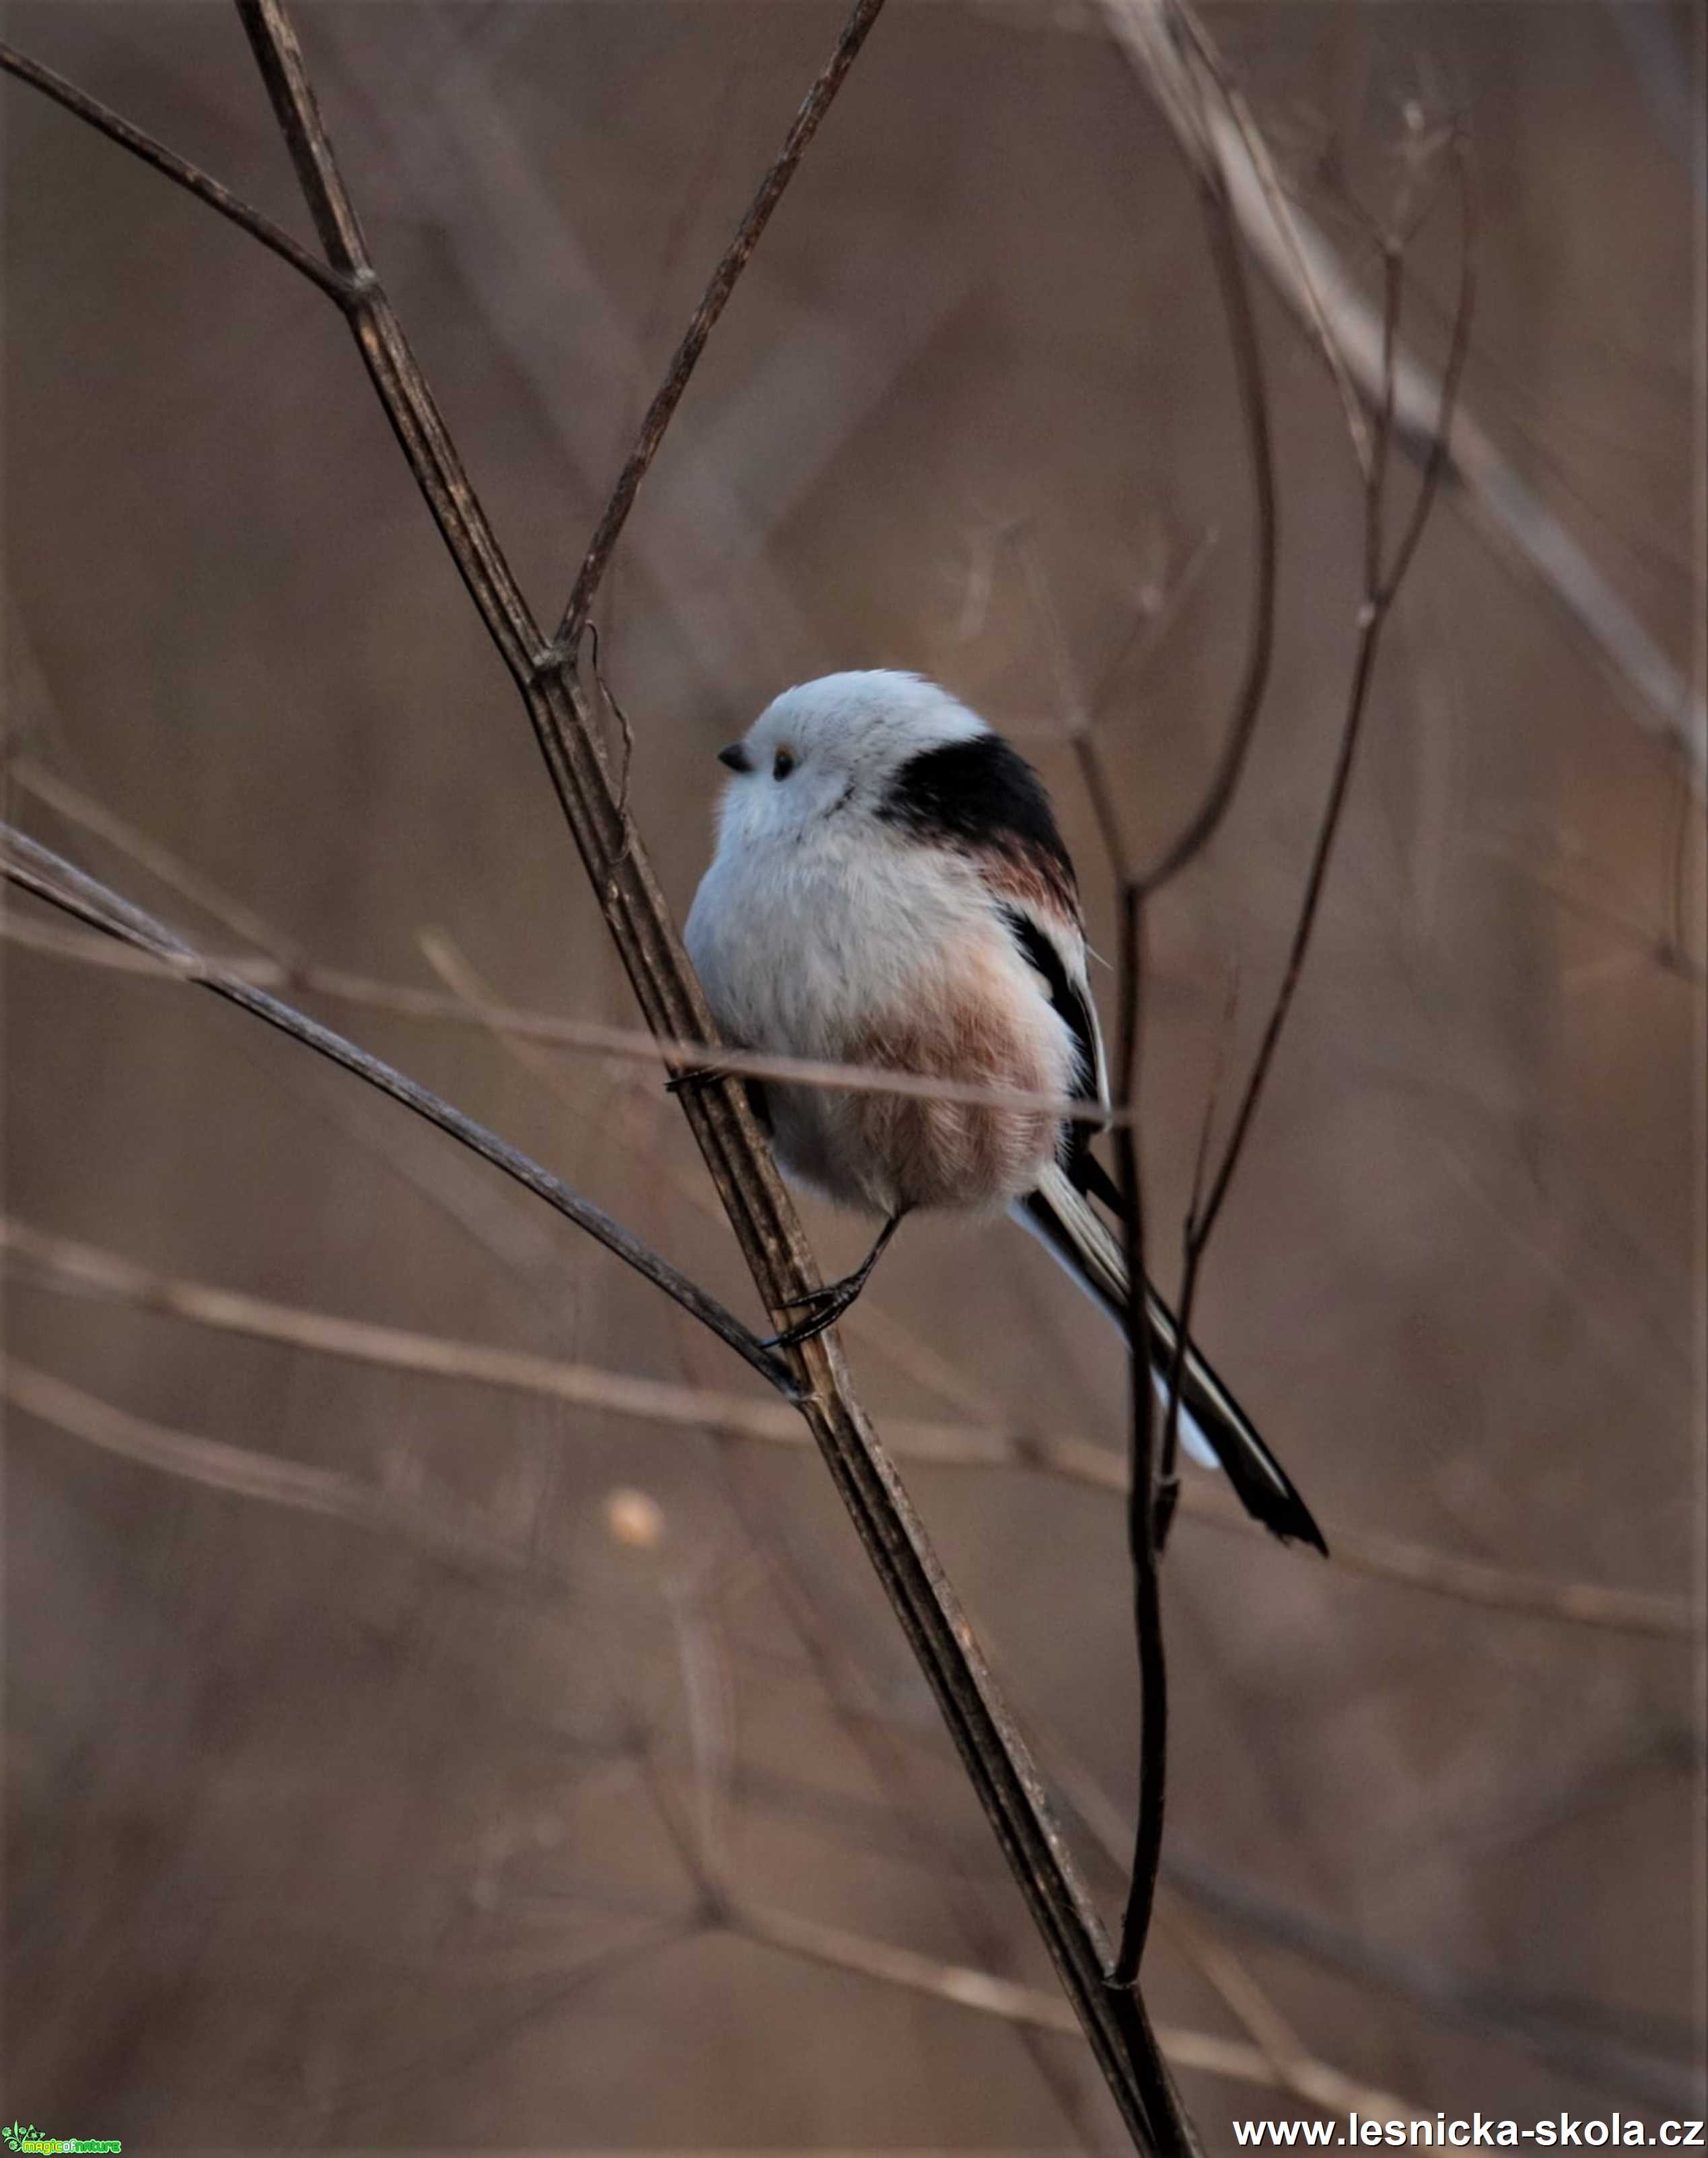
31	2138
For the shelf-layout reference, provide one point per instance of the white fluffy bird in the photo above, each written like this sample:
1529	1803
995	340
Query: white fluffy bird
890	888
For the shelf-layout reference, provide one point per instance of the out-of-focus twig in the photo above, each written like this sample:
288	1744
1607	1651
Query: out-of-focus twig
1295	2067
1199	828
583	1037
90	815
1204	2052
1571	2036
757	216
1166	42
1662	947
60	1264
242	1472
1383	576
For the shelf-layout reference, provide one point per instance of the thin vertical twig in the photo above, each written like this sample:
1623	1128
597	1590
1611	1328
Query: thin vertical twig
1134	889
1373	614
1140	1507
1167	1481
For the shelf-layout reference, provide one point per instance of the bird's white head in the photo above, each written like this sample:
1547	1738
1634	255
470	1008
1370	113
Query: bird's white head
832	748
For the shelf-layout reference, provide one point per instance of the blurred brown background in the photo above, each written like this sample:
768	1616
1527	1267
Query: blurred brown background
317	1838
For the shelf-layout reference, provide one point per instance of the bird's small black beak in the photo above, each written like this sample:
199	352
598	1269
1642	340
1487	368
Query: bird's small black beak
737	757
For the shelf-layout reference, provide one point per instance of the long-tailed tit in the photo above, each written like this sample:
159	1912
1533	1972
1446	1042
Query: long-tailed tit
890	888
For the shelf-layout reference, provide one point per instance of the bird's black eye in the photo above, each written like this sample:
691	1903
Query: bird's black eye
783	765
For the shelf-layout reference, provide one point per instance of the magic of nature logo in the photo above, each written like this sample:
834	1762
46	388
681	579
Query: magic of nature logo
20	2138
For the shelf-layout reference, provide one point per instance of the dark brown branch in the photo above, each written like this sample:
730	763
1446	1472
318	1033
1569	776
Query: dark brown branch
1141	1477
200	184
685	357
1141	1486
1146	1522
34	869
620	873
1167	1481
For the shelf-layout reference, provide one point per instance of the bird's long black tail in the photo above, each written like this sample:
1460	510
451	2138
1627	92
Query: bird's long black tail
1064	1218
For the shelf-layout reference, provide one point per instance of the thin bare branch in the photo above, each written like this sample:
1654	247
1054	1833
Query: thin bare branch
586	1037
335	286
1153	625
1203	2051
1142	1478
1254	409
63	1265
659	413
1294	2067
94	816
1380	591
1167	1480
1643	941
1141	1511
1473	1580
34	869
240	1471
1380	586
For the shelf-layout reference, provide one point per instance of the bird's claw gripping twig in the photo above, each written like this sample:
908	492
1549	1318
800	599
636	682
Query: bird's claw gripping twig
696	1075
827	1304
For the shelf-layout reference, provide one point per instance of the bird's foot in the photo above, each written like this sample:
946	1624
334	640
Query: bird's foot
826	1304
696	1075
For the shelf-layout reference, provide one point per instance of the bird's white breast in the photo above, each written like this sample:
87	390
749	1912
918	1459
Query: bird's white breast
859	946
